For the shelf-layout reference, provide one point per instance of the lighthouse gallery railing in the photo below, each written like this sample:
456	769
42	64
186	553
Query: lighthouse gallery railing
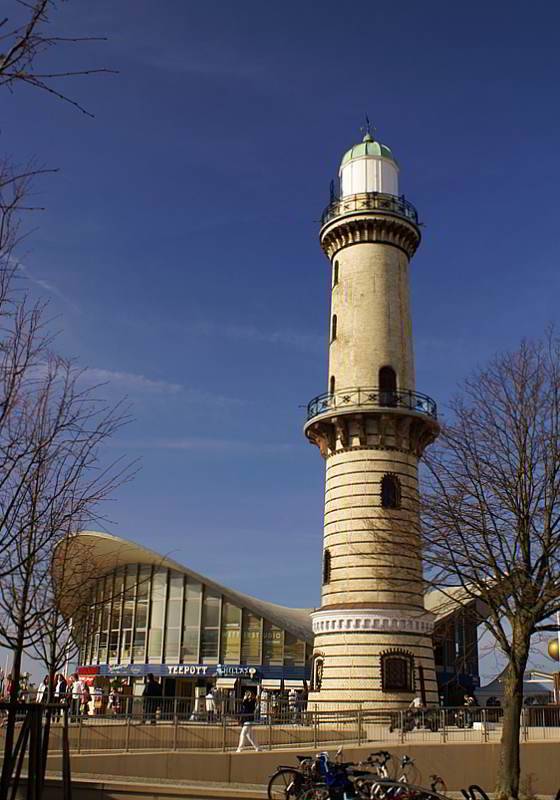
370	201
371	397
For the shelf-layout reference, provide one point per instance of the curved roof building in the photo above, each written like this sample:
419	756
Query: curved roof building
136	611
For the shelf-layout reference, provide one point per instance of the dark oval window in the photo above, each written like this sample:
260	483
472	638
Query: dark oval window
331	385
390	491
335	273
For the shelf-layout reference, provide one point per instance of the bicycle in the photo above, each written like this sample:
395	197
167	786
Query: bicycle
291	782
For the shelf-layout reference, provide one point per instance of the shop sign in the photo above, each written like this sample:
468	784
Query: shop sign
187	669
223	670
125	669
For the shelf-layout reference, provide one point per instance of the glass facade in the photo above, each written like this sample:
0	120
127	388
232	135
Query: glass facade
149	615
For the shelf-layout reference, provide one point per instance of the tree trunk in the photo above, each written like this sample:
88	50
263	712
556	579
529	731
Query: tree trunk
509	768
8	762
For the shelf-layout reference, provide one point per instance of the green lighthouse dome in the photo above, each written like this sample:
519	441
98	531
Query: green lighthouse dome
368	147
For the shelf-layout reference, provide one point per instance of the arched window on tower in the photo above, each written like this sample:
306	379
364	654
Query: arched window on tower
333	328
390	491
331	385
326	567
397	671
335	273
317	672
387	386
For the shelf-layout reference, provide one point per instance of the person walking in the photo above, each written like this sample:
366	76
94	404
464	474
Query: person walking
151	695
246	720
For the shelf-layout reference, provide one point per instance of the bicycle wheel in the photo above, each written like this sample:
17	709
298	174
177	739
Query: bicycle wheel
315	793
285	784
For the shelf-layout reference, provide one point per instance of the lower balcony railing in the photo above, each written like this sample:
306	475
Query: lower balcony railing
372	397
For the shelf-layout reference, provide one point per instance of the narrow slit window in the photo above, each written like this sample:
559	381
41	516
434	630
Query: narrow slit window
390	491
334	326
387	386
326	567
331	385
335	273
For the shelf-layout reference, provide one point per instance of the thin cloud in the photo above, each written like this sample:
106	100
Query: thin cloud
307	342
209	445
46	285
134	383
130	381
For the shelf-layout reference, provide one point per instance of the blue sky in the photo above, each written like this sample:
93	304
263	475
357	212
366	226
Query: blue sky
179	245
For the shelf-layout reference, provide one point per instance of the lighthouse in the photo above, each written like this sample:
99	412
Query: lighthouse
372	634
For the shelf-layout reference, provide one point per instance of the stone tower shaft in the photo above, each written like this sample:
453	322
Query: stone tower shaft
373	642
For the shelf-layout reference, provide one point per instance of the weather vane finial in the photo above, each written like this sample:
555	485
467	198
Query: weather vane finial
368	129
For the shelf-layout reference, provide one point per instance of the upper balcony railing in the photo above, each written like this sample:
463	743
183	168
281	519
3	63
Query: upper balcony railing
370	201
370	398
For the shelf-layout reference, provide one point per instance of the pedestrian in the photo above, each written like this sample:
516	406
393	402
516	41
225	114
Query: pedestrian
416	710
85	699
246	721
8	683
263	705
43	692
293	704
114	702
210	705
76	691
60	689
151	695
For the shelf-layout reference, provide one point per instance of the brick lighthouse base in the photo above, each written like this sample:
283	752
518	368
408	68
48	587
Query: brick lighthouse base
352	659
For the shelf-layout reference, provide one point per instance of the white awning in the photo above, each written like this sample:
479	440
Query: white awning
268	683
293	684
226	683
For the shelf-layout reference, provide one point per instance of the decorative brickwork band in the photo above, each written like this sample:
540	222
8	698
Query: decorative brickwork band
370	620
370	227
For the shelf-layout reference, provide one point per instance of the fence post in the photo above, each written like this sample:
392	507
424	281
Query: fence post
401	725
443	726
79	745
484	720
127	736
175	727
270	731
360	725
223	733
315	722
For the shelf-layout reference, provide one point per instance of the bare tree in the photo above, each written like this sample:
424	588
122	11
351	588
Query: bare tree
55	489
28	39
491	513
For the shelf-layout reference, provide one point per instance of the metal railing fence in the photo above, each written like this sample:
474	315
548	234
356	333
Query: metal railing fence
370	201
371	397
165	727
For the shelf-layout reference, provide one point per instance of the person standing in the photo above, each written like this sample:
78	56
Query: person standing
210	705
151	695
76	692
293	704
60	689
246	719
43	692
